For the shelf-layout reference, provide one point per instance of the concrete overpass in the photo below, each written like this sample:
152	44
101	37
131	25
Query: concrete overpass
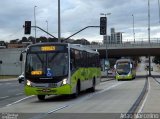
128	49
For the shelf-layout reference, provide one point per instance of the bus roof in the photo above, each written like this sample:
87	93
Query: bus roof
124	60
74	46
82	48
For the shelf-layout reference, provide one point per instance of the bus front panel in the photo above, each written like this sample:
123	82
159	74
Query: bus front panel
46	70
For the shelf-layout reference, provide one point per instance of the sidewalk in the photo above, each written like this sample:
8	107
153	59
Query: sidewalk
152	104
10	79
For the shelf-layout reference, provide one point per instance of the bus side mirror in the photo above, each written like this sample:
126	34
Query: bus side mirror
114	66
21	57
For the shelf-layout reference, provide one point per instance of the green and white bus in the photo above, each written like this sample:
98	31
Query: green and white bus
125	69
59	69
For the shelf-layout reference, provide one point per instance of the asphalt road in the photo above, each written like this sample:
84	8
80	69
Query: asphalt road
10	91
111	99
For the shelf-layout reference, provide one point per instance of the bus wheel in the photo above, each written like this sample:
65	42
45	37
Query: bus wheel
41	97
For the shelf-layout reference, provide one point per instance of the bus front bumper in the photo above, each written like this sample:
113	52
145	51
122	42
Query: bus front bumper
65	89
119	77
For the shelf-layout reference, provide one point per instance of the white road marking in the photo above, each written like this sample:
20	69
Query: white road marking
19	100
19	93
4	97
142	106
8	83
59	108
84	98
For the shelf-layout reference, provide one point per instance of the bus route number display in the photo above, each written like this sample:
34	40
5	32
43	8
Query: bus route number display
48	48
123	63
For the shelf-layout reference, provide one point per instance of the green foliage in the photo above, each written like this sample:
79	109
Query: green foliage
81	41
156	59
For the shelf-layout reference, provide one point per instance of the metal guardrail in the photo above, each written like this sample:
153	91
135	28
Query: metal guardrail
141	44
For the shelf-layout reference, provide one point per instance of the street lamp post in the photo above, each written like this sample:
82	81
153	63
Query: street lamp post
159	10
59	22
133	29
106	39
35	21
149	21
47	27
149	35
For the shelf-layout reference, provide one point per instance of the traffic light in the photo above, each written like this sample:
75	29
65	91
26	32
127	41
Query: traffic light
27	27
103	23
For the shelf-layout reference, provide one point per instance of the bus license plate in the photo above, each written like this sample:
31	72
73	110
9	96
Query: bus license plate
46	90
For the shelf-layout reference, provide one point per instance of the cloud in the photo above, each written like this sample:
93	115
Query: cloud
77	14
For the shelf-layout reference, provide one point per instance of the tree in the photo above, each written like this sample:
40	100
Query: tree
52	39
81	41
24	39
94	43
2	43
31	39
14	41
156	59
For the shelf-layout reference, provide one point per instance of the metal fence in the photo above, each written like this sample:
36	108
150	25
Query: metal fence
137	44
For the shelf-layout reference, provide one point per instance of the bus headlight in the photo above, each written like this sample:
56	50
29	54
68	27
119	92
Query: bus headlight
129	74
64	81
28	83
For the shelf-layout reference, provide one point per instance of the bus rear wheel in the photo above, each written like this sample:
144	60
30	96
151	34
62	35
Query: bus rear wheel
41	97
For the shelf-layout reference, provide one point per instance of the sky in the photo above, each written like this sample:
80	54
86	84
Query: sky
77	14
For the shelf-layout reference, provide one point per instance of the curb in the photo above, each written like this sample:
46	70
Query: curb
104	80
11	79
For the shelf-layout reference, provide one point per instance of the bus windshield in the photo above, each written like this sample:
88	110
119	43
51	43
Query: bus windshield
47	64
123	68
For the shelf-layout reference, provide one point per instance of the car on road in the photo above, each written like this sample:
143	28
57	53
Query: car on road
21	78
110	71
147	68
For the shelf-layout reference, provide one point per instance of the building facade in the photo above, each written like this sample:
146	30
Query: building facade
114	38
106	39
118	37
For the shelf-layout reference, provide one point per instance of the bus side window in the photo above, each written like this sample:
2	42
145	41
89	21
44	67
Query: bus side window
81	59
85	59
72	60
71	65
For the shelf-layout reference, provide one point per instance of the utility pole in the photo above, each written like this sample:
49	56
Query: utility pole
47	29
159	10
106	41
149	21
133	28
59	21
149	36
35	21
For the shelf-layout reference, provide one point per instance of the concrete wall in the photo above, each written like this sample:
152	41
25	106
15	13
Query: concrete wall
10	61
